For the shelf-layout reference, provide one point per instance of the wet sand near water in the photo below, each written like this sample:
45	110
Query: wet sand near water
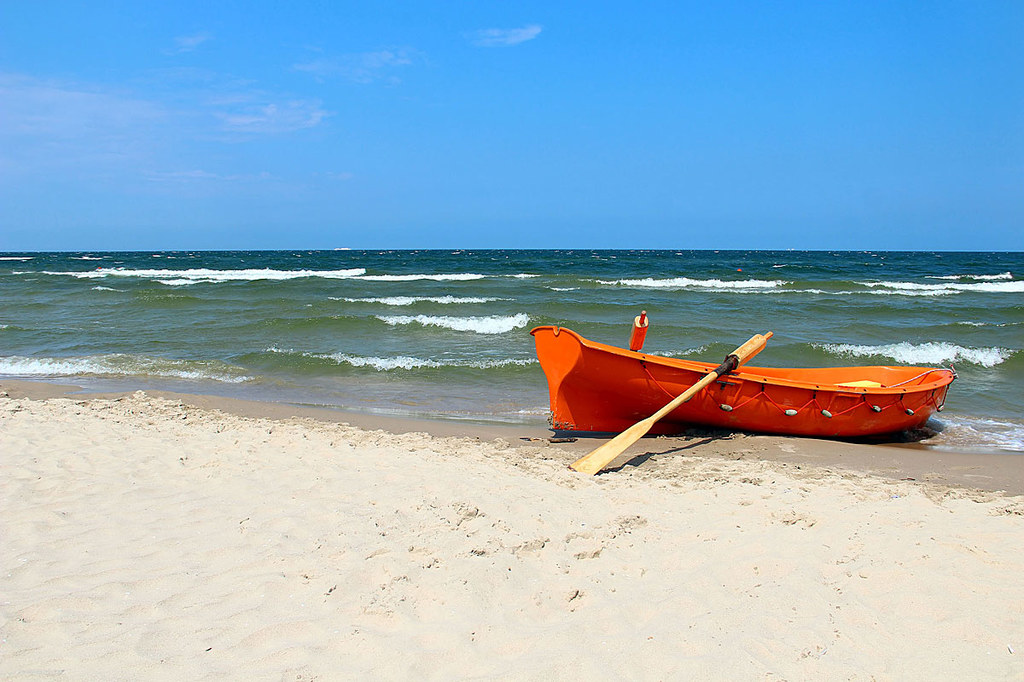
990	471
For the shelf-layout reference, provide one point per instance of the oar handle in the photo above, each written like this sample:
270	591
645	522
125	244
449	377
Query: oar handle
751	348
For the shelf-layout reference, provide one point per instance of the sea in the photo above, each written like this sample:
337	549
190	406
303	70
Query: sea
444	334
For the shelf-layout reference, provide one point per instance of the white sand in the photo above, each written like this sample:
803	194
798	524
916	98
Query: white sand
143	539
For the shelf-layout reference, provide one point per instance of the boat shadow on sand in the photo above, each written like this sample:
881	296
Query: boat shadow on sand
696	438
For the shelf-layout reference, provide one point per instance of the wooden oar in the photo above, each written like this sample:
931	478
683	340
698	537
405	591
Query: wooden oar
599	458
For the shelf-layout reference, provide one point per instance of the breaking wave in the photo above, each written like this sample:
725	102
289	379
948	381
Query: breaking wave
461	277
203	275
686	354
931	353
916	289
988	324
411	300
1002	275
404	362
687	283
120	364
494	324
971	432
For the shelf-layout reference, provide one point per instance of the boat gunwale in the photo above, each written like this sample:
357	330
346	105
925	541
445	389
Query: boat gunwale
744	373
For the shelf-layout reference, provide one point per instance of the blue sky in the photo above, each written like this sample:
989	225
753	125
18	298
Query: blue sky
191	125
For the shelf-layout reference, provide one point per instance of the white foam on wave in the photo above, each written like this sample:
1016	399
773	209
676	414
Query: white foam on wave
383	364
687	353
203	275
930	353
411	300
453	277
406	362
118	364
1001	275
917	289
17	258
967	432
687	283
905	292
989	324
938	291
103	288
494	324
564	288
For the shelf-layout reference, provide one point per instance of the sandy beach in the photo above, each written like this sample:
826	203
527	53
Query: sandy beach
168	537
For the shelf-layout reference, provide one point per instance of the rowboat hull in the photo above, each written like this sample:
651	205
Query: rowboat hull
599	388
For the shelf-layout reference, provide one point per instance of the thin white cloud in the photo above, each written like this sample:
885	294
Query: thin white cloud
362	67
184	44
197	175
182	176
51	126
51	108
271	117
504	37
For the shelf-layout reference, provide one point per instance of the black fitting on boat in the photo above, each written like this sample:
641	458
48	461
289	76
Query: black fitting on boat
731	363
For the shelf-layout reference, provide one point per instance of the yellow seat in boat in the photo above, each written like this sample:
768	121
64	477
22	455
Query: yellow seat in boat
860	384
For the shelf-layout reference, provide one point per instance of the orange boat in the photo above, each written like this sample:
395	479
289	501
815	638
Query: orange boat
600	388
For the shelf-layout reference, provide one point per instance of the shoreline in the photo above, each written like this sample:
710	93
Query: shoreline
994	472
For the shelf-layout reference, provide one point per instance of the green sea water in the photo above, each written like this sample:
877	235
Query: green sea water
445	334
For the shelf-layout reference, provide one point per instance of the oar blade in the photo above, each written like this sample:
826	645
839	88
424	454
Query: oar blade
601	456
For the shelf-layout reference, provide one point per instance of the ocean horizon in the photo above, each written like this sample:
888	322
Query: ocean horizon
444	334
